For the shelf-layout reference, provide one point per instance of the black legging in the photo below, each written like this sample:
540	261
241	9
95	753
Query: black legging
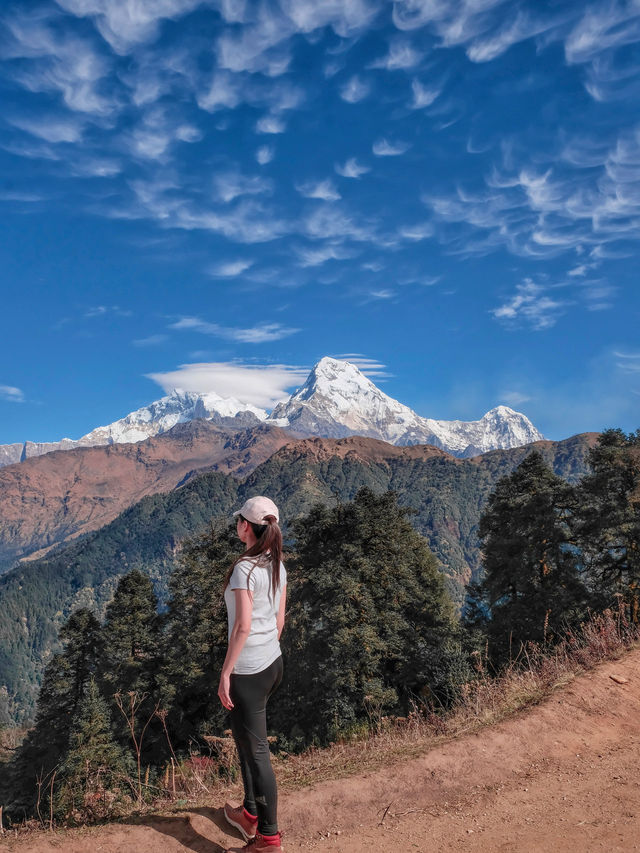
249	694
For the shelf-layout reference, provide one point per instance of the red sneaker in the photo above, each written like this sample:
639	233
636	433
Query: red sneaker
260	844
240	818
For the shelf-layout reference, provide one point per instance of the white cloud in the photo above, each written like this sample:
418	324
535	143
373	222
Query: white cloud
384	148
514	398
314	257
324	190
328	221
261	385
548	210
260	334
126	23
401	55
224	91
530	305
51	128
230	269
270	124
60	62
354	90
231	185
601	28
352	169
368	366
11	394
151	341
265	154
423	96
417	232
157	132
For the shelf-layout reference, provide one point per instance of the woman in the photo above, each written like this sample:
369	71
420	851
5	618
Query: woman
255	596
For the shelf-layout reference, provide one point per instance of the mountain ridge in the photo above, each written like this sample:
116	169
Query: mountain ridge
336	400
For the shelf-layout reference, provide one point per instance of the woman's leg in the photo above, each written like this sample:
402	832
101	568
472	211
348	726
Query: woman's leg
249	694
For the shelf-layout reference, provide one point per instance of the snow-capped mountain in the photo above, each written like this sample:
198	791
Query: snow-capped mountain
339	400
154	419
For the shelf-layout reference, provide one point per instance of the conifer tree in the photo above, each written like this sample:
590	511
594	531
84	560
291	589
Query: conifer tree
130	637
64	683
608	520
92	779
370	626
196	634
131	659
532	588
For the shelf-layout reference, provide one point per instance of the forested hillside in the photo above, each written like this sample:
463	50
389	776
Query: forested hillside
446	494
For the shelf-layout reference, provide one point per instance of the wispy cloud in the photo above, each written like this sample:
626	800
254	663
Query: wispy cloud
629	362
384	148
260	334
417	232
61	63
51	128
514	398
11	394
354	90
230	269
261	385
423	96
232	185
127	23
325	190
401	55
265	154
151	341
317	255
530	305
270	124
352	169
368	366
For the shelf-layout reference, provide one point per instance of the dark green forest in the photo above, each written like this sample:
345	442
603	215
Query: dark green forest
446	495
371	629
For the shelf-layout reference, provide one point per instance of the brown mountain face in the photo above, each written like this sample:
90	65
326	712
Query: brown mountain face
356	448
50	499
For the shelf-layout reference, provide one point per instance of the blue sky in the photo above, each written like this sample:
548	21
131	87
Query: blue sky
447	191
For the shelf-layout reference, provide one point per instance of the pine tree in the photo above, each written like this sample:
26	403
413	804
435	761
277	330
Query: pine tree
131	660
532	588
370	626
196	634
65	680
130	637
92	779
609	520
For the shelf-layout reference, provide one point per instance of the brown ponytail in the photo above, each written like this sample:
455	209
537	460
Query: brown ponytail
268	540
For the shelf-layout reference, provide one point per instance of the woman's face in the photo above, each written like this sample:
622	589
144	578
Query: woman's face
242	528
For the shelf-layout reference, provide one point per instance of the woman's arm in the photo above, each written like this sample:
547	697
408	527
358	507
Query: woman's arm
239	634
281	610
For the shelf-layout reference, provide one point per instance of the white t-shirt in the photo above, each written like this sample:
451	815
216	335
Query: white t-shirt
262	646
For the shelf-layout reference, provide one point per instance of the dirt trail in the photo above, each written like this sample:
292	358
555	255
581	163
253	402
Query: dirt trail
562	775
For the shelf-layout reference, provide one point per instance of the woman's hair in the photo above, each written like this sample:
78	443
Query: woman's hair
268	541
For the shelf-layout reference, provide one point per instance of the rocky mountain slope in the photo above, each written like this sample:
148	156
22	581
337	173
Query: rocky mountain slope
52	498
447	496
336	400
339	400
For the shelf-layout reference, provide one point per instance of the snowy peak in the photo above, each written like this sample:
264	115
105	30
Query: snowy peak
339	400
156	418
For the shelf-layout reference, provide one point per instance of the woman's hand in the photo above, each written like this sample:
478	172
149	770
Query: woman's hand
224	691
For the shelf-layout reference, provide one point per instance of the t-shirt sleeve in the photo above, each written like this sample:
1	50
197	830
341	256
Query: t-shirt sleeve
243	576
283	576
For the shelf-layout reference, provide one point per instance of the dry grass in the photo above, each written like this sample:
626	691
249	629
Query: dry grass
535	673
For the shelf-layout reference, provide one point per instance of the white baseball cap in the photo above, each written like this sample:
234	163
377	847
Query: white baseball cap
257	509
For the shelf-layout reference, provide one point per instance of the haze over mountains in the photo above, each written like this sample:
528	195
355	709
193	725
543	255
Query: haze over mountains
337	400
